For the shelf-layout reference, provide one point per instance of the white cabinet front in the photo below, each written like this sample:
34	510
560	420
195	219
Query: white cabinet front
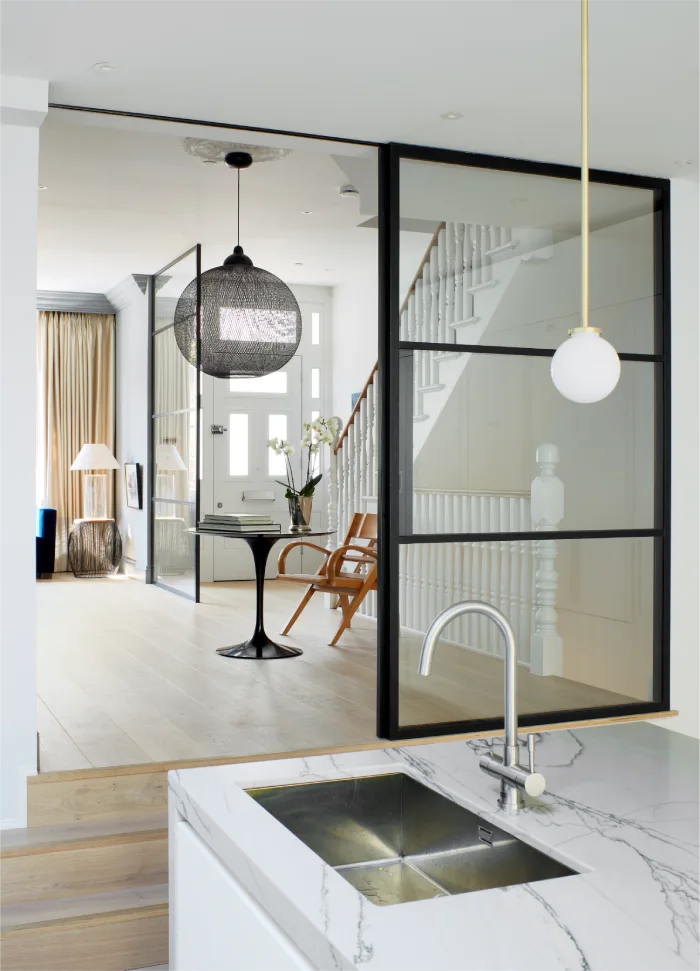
215	925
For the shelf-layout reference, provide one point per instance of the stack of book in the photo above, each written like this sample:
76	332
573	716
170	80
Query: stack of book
237	523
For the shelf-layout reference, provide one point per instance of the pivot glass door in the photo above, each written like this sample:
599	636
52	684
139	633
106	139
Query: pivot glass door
174	449
493	486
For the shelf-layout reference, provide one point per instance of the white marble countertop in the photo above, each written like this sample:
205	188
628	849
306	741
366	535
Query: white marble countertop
621	807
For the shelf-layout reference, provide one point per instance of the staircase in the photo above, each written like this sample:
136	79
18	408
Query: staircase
84	887
453	298
458	287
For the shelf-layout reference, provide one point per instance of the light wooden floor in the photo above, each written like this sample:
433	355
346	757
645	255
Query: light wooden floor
128	673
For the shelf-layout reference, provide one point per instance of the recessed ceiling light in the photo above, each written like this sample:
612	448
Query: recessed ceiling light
298	264
683	161
209	161
307	212
104	67
42	188
519	200
452	115
348	191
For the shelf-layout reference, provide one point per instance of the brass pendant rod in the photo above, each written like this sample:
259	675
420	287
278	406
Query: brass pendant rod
584	165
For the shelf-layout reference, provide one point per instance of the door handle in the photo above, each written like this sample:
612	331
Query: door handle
218	429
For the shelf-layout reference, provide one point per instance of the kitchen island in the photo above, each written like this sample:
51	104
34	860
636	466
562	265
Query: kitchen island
620	809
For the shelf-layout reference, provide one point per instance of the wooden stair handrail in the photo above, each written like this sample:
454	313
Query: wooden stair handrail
353	413
419	271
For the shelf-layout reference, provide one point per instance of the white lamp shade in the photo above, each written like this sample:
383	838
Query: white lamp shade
94	457
168	459
585	368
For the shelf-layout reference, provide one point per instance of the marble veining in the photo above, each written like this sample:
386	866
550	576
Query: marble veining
621	807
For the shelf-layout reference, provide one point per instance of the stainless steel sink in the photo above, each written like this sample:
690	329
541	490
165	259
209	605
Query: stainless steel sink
396	840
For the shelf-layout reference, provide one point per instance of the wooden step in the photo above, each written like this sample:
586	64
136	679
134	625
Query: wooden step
44	863
90	932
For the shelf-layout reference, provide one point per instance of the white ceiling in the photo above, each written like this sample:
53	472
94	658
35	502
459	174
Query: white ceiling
123	197
385	70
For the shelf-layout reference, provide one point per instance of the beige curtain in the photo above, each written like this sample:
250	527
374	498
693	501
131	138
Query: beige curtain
75	406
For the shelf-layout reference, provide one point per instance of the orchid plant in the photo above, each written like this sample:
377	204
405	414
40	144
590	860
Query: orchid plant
320	431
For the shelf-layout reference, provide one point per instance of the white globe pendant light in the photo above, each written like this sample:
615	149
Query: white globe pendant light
585	368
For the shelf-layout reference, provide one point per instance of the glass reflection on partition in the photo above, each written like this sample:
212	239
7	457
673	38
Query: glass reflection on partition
581	609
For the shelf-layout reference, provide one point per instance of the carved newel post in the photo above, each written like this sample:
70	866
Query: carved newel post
547	511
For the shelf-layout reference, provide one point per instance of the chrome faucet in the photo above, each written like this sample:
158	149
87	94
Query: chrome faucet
514	777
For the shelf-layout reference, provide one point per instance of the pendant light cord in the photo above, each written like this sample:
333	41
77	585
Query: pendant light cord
584	165
238	211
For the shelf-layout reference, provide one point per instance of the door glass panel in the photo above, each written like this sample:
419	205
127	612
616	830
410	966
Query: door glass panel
174	435
315	328
315	382
238	444
505	266
275	383
494	427
594	648
277	428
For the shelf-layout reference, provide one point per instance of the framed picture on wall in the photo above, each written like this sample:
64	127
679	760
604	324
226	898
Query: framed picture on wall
132	475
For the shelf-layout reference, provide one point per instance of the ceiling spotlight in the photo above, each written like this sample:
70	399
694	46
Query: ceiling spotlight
349	191
104	67
208	161
42	188
451	115
682	162
307	212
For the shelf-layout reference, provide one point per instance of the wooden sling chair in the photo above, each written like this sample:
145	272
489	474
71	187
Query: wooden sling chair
350	571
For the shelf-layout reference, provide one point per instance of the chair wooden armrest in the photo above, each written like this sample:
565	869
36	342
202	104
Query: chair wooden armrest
337	556
290	546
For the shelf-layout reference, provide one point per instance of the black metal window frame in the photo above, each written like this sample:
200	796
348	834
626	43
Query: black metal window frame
151	576
391	533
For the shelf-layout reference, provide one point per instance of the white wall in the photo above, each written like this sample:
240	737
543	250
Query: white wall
685	489
355	338
132	415
24	106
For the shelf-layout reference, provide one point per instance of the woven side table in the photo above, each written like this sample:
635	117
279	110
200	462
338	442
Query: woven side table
94	547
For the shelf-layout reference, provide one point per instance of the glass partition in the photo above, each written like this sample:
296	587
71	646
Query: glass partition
496	487
173	488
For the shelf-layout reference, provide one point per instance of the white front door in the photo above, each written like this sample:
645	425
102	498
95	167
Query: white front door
250	411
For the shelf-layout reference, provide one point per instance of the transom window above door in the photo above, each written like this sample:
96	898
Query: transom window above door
275	383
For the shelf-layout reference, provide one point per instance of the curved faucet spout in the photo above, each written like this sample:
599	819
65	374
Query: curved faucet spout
501	621
514	778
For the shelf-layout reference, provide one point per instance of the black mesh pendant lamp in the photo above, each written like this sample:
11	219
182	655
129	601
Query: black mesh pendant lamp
251	322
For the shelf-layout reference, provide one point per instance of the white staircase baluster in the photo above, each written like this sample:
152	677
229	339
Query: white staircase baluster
486	269
504	553
468	274
494	550
447	334
370	480
442	285
515	568
459	272
524	595
547	511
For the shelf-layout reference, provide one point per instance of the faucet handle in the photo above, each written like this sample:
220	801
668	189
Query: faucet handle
530	742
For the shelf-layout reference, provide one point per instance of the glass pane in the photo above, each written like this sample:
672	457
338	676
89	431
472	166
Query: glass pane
482	431
169	287
582	612
493	257
174	545
315	328
315	382
277	428
275	383
238	444
174	380
175	443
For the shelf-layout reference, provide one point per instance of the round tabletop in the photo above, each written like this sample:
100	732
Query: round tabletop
251	533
